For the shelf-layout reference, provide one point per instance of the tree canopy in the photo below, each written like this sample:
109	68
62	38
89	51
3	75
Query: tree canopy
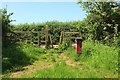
102	19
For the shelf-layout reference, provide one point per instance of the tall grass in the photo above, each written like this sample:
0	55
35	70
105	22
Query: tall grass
61	70
100	57
96	61
18	55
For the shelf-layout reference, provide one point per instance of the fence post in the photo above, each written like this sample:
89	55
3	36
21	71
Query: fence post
46	36
38	38
61	37
51	41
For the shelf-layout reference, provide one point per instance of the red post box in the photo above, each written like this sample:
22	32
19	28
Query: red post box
78	45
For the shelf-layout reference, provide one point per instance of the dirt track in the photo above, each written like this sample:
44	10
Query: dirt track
38	65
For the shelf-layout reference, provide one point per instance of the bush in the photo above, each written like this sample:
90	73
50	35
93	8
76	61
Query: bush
18	55
65	45
96	55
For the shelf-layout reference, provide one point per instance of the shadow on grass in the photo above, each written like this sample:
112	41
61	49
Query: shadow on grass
13	58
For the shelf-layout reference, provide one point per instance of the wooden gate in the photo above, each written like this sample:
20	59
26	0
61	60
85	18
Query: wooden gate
67	37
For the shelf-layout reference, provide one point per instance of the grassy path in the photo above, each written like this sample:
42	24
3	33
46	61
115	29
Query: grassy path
68	61
39	65
31	69
97	62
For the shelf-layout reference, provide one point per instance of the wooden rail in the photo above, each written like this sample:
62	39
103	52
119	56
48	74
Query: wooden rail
46	36
68	37
34	36
71	32
29	36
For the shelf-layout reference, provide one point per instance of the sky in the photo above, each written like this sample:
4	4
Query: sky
39	0
38	12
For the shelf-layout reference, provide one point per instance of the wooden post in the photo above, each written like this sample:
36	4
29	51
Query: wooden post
38	38
51	41
63	34
46	36
61	37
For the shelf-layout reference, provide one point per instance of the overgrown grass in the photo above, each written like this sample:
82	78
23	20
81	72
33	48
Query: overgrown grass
61	70
102	58
96	61
18	55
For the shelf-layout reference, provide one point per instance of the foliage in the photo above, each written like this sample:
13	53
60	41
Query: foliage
50	57
102	24
18	55
54	29
103	20
65	45
96	61
5	20
97	56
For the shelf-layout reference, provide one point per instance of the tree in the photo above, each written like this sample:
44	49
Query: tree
103	19
5	19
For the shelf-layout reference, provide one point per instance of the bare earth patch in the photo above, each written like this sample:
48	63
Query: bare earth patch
30	69
68	61
39	65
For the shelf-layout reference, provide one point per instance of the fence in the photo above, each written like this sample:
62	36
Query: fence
35	37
